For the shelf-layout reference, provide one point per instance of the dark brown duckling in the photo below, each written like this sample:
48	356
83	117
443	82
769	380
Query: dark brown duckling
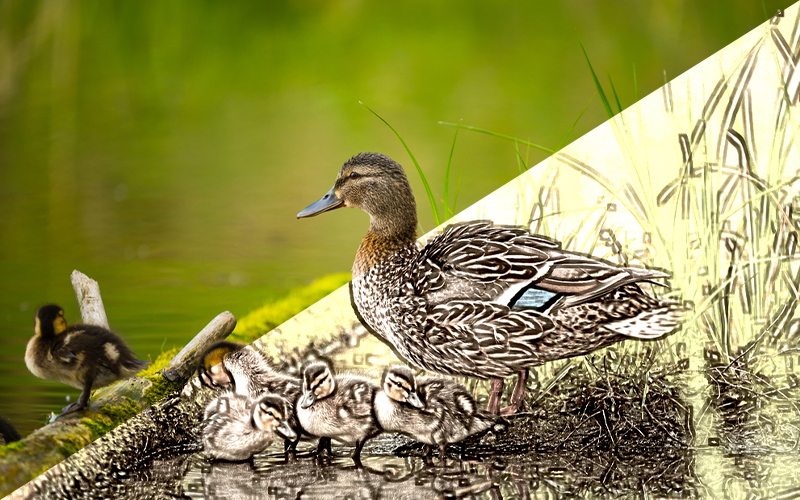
8	434
82	356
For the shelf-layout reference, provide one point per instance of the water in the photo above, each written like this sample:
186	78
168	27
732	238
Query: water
164	148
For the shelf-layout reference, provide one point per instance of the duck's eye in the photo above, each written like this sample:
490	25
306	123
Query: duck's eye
354	175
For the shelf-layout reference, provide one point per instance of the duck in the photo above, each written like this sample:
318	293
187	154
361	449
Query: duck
434	411
247	372
82	356
337	407
483	300
236	427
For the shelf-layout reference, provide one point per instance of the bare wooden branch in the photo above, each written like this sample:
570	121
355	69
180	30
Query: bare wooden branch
87	292
185	362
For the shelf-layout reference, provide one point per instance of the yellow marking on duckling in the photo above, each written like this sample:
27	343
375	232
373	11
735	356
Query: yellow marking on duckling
59	324
216	356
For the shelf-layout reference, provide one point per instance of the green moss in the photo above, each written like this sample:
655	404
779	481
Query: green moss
160	362
70	445
264	319
160	388
12	447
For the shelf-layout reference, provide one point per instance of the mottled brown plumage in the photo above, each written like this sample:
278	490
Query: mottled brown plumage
481	300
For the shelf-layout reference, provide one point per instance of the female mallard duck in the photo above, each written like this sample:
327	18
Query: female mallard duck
246	371
337	407
83	356
434	411
480	300
236	427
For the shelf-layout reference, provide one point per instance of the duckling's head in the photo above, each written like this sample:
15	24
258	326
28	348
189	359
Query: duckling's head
49	321
399	384
377	185
271	414
212	370
318	382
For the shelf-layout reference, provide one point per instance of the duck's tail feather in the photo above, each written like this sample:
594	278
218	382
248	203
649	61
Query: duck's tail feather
651	324
134	366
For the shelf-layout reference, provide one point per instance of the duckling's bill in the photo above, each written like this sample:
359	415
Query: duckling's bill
328	202
307	400
286	432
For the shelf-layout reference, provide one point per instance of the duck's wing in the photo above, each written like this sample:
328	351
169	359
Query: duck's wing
512	267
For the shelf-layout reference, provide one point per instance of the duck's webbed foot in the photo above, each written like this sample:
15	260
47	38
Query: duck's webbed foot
80	404
324	447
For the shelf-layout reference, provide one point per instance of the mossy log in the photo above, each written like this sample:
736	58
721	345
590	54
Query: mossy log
108	407
166	425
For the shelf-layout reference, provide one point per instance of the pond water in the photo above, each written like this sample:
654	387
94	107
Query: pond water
164	148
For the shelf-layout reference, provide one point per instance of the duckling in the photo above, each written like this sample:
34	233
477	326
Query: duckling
481	300
82	356
247	372
338	407
434	411
235	427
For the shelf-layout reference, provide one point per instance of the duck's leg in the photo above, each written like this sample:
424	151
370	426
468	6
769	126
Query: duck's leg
324	447
357	452
80	404
495	393
518	394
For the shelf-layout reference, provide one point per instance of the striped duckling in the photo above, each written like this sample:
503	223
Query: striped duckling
480	300
247	372
337	407
82	356
236	427
434	411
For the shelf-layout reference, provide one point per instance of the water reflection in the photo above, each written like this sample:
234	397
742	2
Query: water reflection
380	477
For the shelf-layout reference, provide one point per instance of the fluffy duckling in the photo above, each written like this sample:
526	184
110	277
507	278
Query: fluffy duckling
434	411
235	427
82	356
247	372
337	407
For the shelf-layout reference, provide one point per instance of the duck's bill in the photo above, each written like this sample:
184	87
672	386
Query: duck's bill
326	203
286	432
307	400
413	400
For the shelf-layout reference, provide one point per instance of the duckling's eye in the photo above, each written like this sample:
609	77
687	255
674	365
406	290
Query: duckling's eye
354	175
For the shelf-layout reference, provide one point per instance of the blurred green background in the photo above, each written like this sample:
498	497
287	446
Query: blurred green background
165	147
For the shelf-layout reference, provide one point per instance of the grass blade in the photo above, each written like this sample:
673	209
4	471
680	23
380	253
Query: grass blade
575	122
446	207
428	191
501	136
597	85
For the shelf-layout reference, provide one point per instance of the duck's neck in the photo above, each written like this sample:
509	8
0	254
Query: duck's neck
386	236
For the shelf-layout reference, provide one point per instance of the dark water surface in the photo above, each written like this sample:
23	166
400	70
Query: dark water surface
164	148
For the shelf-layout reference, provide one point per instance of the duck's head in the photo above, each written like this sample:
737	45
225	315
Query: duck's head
212	371
271	414
318	382
49	321
377	185
399	384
